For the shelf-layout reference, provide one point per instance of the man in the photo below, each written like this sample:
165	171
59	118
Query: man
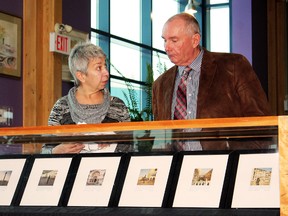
219	85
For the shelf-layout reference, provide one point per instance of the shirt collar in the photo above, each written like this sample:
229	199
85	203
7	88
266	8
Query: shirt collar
195	65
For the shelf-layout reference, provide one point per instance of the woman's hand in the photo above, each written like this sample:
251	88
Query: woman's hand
68	148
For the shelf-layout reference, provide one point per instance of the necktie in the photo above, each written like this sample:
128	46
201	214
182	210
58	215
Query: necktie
181	101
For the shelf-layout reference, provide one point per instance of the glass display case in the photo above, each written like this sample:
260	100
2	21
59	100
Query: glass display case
205	142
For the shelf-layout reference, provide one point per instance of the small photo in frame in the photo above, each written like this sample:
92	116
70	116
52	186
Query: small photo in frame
94	181
46	181
10	45
257	181
10	174
201	180
146	180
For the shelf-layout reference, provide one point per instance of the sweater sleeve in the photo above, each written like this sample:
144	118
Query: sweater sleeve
118	111
56	117
58	112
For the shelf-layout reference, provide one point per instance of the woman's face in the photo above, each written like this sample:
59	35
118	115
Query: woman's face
97	74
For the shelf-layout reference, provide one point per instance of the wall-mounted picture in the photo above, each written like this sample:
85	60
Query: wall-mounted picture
46	181
94	181
201	181
10	45
10	174
257	181
146	180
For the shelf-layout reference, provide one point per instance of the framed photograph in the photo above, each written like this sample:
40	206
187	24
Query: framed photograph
76	36
257	181
11	171
10	45
46	181
95	180
201	180
145	181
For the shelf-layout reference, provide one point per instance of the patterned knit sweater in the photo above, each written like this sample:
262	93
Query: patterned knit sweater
61	115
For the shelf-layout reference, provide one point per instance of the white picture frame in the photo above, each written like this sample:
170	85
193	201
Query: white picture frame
46	181
94	181
10	173
146	180
201	181
257	181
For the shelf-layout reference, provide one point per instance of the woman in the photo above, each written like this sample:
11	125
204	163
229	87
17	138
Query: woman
89	102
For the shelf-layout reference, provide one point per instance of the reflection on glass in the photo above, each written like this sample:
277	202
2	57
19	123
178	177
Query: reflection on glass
162	139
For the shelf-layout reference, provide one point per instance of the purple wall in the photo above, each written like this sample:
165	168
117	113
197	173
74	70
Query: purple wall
241	26
77	14
249	34
12	7
10	87
78	20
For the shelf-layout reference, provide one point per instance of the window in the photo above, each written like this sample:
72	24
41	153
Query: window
217	30
131	38
159	18
129	32
125	21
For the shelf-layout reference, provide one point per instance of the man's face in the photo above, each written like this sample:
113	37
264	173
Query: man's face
179	43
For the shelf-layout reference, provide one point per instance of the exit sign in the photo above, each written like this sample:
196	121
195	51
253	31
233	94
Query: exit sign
60	43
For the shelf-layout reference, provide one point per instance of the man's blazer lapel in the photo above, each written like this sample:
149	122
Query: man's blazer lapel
208	71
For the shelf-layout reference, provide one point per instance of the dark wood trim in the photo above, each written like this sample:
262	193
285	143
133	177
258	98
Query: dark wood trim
277	54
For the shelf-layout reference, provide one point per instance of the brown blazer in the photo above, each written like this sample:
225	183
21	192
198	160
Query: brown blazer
228	87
